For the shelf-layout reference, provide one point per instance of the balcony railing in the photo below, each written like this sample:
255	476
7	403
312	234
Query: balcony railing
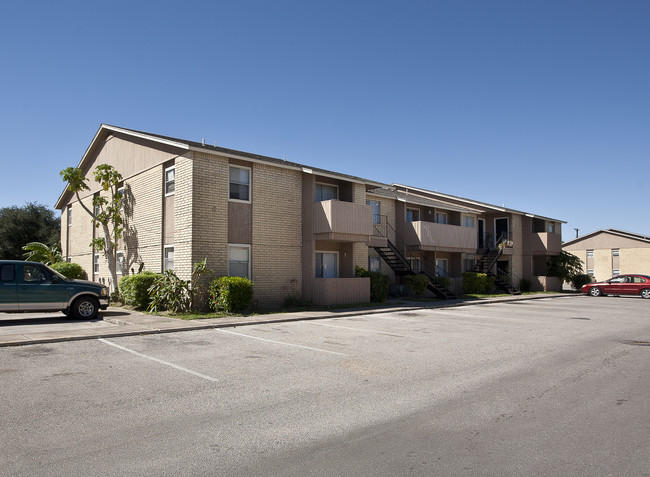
433	236
334	219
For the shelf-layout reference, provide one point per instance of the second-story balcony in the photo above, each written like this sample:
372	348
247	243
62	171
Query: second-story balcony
546	243
430	236
342	221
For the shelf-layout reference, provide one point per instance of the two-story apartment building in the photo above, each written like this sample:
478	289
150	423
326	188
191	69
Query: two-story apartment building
296	231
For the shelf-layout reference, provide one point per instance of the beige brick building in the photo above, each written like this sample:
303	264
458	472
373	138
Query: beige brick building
608	253
294	230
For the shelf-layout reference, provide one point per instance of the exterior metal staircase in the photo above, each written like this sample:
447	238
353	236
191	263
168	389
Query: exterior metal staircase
502	280
401	266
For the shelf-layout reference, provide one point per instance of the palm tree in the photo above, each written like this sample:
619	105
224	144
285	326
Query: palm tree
39	252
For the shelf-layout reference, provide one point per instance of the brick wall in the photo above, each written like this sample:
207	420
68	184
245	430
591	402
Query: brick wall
277	234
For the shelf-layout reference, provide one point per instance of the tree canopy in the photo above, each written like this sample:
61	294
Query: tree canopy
30	223
565	266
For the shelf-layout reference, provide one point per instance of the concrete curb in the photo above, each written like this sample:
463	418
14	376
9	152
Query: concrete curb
143	324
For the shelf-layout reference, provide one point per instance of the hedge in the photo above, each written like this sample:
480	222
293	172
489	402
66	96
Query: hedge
70	270
135	289
231	294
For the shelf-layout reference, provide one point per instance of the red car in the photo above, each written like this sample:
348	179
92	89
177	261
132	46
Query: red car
620	285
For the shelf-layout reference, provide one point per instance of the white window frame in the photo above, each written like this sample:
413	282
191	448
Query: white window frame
248	248
507	227
616	252
167	182
446	267
166	260
250	183
590	272
590	254
437	214
616	272
96	263
119	267
463	217
334	186
338	263
376	218
69	216
413	209
375	259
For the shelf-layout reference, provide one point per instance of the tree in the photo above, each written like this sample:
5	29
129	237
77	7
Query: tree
39	252
565	266
108	206
31	223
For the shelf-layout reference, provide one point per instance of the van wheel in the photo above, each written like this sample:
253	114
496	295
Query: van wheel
85	308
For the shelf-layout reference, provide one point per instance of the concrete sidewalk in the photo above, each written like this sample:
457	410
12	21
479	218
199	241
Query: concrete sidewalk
129	323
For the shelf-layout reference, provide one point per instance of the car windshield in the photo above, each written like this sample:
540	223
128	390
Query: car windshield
54	272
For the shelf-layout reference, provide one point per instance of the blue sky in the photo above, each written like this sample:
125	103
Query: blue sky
542	106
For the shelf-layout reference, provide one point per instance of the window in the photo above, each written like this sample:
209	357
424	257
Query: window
119	262
69	215
590	254
551	227
240	182
239	264
412	215
468	264
327	265
96	263
326	192
170	181
416	264
616	252
7	272
468	221
376	211
616	273
32	273
441	267
590	272
168	257
374	264
441	217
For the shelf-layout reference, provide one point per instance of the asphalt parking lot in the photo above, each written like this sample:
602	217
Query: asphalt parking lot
544	387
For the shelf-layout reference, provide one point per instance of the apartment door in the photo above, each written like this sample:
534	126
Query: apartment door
501	229
481	233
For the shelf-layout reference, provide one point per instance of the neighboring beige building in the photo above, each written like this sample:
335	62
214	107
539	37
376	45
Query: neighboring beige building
608	253
296	231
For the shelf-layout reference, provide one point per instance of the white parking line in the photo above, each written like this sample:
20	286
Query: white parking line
166	363
358	329
281	342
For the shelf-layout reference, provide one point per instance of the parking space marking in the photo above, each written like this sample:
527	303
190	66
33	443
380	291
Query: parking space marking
358	329
280	342
160	361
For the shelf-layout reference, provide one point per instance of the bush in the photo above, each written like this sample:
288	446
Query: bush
378	284
581	280
525	285
231	294
417	283
135	289
169	292
477	283
70	270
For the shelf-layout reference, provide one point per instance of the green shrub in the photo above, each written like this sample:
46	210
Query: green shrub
378	284
70	270
231	294
446	282
525	285
580	280
477	283
169	292
417	283
135	289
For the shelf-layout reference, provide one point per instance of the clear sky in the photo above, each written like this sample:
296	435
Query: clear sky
543	106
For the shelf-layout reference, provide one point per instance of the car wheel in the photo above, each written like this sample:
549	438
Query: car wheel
85	308
595	291
645	293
